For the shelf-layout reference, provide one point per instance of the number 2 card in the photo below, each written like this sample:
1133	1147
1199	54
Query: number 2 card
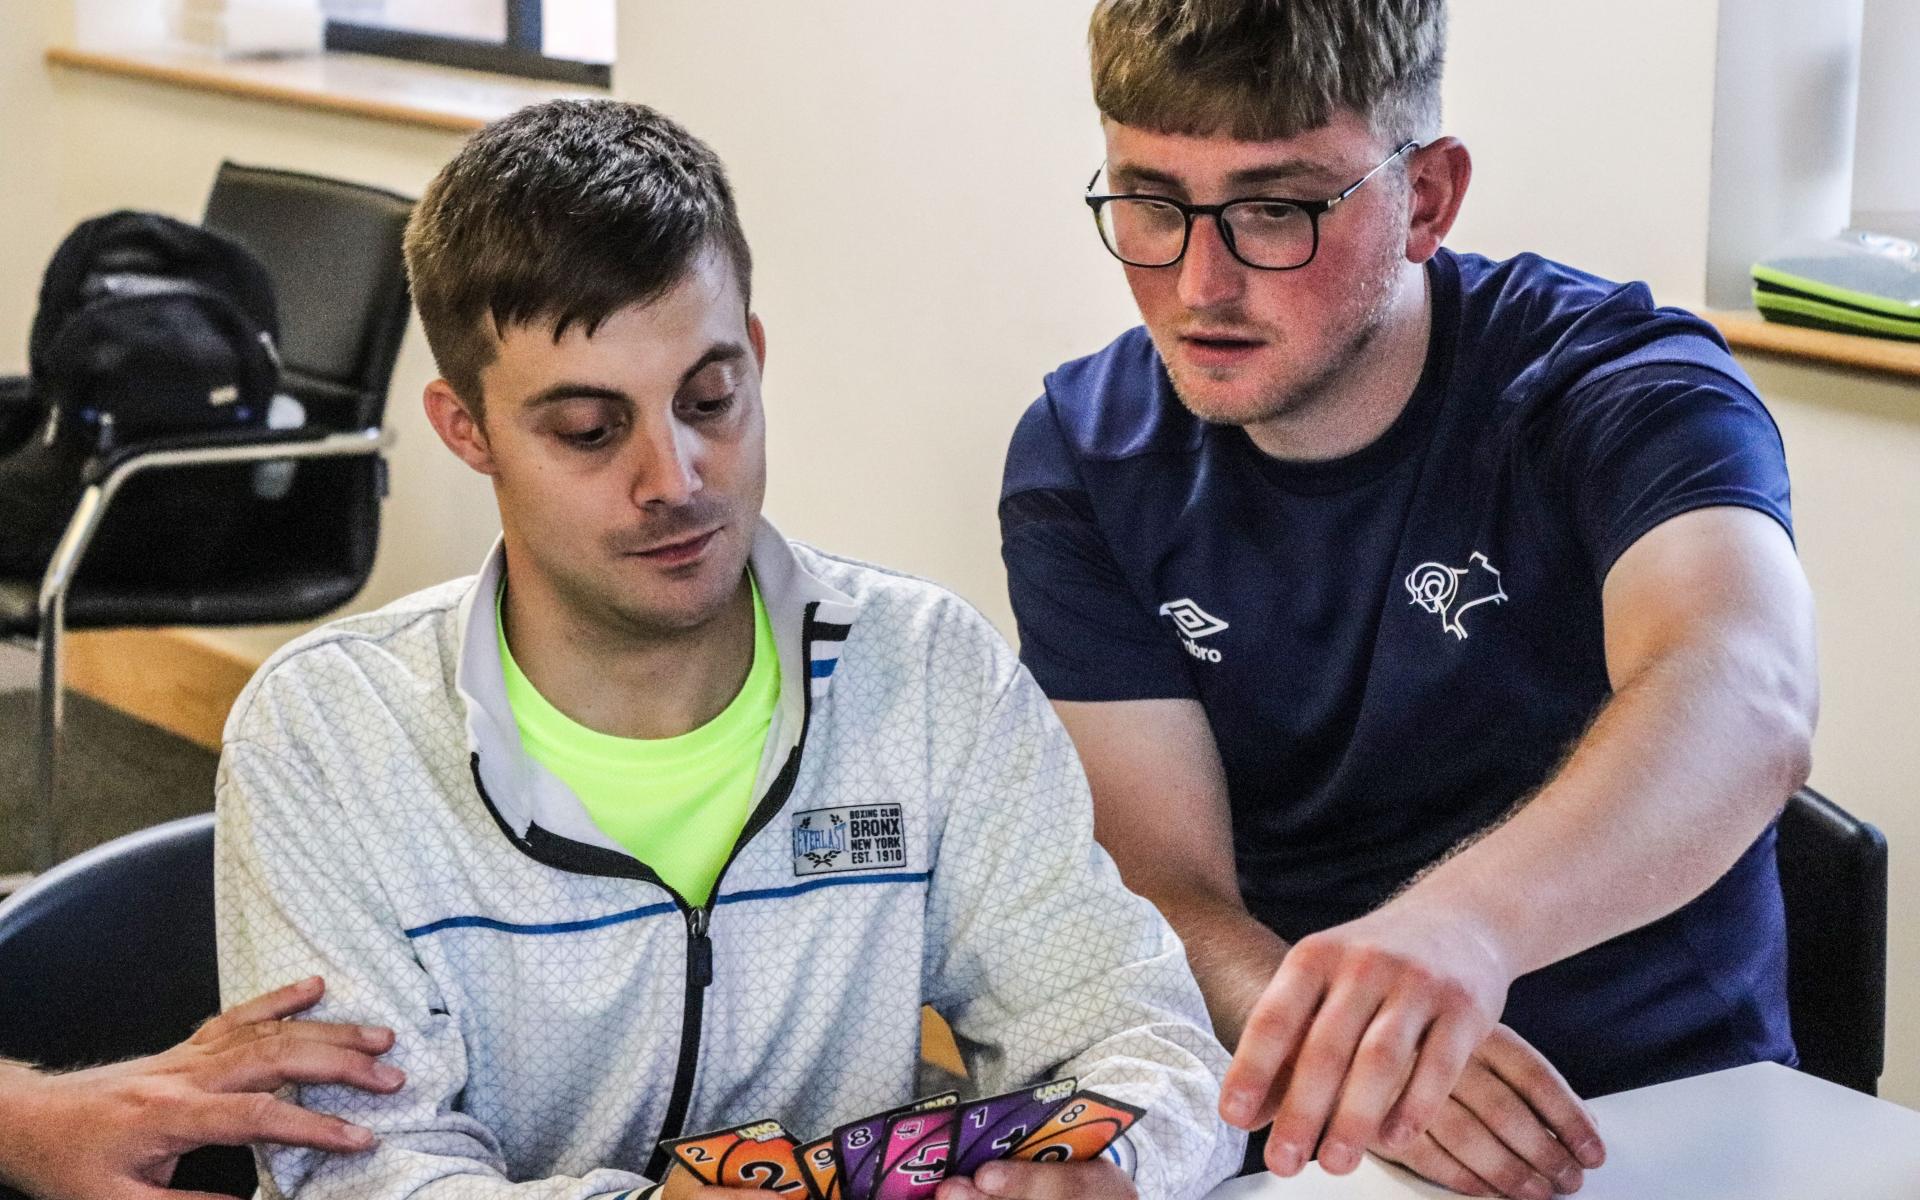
758	1155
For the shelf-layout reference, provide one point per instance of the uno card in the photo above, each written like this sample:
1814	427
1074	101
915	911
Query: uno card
1085	1126
913	1155
758	1155
988	1129
820	1167
859	1145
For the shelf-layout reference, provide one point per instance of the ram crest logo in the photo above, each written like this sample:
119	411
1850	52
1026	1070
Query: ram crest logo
1448	592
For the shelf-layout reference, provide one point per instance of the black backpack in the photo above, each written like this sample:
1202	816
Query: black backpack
147	327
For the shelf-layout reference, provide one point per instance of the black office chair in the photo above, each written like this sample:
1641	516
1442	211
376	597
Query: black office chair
1833	876
333	252
110	956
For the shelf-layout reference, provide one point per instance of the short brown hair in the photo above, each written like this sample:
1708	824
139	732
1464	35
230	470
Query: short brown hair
564	212
1258	70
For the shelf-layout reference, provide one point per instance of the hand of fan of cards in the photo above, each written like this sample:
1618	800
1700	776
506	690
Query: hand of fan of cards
904	1153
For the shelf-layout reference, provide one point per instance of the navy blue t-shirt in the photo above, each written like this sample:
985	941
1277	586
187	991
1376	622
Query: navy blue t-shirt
1395	647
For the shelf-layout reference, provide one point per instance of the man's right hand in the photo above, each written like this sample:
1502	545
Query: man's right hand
117	1132
1512	1127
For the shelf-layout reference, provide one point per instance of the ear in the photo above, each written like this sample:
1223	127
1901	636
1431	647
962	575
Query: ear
1437	177
458	427
757	338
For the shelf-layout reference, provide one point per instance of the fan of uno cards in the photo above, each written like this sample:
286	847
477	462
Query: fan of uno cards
904	1153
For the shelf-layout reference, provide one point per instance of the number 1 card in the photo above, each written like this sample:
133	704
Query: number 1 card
988	1129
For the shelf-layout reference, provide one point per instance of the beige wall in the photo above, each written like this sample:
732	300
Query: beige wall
909	177
910	174
29	138
1592	134
1853	446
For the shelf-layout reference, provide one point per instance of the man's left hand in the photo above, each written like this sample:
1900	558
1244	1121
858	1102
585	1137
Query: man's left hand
1096	1180
1511	1128
1362	1034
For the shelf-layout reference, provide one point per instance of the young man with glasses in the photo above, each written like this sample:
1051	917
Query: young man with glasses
662	823
1430	627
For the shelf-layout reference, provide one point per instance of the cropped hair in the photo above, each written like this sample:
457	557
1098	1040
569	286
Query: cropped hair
1260	70
563	214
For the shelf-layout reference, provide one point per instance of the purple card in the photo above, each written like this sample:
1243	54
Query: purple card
914	1158
987	1129
859	1145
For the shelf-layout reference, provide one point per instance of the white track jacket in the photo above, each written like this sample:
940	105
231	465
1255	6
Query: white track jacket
923	834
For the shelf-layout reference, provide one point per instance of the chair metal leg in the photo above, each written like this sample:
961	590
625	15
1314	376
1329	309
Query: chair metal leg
53	619
52	707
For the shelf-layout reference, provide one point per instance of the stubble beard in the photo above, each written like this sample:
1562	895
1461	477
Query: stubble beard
1298	397
605	611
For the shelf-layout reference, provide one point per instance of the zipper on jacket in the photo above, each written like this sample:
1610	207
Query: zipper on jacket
567	855
699	920
699	979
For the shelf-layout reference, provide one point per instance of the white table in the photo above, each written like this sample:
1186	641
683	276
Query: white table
1760	1132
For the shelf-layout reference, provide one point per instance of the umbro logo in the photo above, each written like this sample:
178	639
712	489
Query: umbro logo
1193	623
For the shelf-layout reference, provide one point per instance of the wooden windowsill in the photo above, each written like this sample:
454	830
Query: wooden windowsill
1886	356
360	85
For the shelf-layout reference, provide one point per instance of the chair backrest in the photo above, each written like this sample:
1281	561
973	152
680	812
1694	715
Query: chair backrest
332	249
1833	877
110	956
333	252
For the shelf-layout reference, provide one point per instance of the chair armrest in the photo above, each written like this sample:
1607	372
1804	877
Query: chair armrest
233	446
105	477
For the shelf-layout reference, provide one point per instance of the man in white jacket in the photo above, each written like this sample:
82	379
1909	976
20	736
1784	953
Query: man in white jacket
663	823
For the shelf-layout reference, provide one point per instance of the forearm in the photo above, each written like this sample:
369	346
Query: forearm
1682	770
1231	953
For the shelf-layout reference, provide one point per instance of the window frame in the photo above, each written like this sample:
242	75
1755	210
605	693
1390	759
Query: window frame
520	54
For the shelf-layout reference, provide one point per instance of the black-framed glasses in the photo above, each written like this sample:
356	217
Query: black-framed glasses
1267	233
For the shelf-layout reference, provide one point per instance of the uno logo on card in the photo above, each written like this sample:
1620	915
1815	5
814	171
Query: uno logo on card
1059	1089
860	837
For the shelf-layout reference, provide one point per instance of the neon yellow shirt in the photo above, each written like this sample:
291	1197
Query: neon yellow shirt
677	804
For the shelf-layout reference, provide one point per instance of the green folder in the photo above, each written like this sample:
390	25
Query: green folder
1858	282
